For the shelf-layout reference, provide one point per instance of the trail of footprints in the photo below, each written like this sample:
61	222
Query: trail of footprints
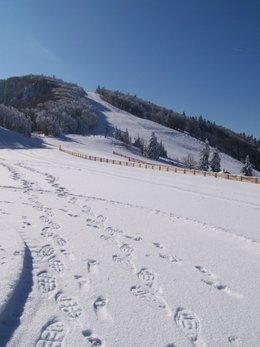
148	289
2	255
53	333
69	306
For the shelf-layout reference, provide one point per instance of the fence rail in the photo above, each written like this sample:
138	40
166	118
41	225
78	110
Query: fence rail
144	165
129	158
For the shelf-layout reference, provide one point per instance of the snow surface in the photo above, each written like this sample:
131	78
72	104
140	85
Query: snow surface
94	254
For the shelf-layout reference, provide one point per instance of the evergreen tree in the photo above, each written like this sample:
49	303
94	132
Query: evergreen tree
204	157
122	135
139	143
162	150
126	137
153	151
215	161
247	169
117	134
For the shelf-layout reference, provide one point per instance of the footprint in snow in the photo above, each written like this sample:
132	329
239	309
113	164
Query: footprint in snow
46	252
127	250
189	323
235	341
135	238
92	266
68	305
158	245
54	225
101	218
124	262
46	282
56	265
113	231
223	288
44	219
83	283
67	254
204	271
147	277
111	239
59	241
92	223
73	215
151	298
100	307
47	232
94	341
170	258
52	335
72	200
49	212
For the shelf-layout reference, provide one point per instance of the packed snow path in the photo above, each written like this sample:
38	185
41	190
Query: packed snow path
116	256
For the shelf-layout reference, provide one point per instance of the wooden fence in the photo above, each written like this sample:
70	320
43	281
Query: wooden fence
166	168
129	158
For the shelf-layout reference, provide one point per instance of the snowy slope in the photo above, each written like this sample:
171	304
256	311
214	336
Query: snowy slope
178	144
119	256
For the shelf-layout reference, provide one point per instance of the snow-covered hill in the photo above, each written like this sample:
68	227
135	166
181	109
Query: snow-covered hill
178	144
93	254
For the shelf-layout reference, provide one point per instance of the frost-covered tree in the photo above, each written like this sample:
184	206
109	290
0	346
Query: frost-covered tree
204	157
215	161
15	120
190	162
122	135
47	124
247	169
153	150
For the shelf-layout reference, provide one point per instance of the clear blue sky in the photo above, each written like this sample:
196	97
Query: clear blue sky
197	56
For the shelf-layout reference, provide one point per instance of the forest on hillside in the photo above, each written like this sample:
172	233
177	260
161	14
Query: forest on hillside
236	145
35	103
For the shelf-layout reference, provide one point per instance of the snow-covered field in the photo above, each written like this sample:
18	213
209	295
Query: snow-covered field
93	254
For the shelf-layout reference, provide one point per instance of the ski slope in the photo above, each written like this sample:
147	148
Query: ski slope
177	144
94	254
